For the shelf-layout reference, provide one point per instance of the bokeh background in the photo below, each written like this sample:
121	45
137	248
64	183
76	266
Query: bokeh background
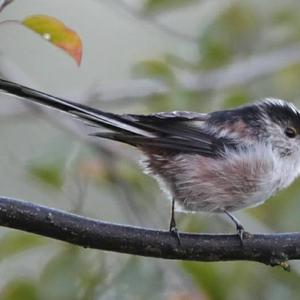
139	57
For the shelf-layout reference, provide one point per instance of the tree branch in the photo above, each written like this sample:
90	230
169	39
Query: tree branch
271	249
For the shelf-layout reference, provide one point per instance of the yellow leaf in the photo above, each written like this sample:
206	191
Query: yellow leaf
55	31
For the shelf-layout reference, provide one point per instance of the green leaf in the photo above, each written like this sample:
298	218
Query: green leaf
215	54
231	35
47	173
154	68
61	277
236	99
209	280
152	6
18	289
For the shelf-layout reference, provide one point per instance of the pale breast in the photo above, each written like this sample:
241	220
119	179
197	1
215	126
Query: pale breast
207	184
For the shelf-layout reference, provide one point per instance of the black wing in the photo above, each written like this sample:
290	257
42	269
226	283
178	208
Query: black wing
173	131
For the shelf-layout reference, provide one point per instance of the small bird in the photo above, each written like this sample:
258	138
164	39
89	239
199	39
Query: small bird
216	162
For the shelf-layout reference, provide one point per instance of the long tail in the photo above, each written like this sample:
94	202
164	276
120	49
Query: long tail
170	131
114	122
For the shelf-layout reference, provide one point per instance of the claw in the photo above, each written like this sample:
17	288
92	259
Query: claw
240	233
239	227
173	229
174	232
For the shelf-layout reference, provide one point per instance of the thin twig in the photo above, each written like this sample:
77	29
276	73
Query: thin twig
271	249
4	3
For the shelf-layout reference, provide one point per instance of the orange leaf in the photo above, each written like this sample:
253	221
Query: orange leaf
56	33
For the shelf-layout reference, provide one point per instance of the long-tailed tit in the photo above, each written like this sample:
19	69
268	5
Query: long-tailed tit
217	162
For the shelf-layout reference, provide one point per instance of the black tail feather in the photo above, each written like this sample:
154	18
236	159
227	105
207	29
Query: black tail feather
174	131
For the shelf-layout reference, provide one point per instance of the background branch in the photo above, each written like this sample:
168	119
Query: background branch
238	73
154	22
272	249
4	3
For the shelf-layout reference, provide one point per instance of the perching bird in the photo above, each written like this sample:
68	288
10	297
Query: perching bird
217	162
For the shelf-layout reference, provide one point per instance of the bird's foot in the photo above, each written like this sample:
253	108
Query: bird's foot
240	232
174	231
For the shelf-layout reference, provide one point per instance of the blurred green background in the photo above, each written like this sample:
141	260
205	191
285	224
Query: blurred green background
139	57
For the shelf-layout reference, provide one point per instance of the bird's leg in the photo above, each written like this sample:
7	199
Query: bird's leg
239	227
173	229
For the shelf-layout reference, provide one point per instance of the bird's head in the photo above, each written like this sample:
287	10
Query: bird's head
280	126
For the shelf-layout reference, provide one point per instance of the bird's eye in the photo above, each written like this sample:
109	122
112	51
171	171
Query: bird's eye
290	132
